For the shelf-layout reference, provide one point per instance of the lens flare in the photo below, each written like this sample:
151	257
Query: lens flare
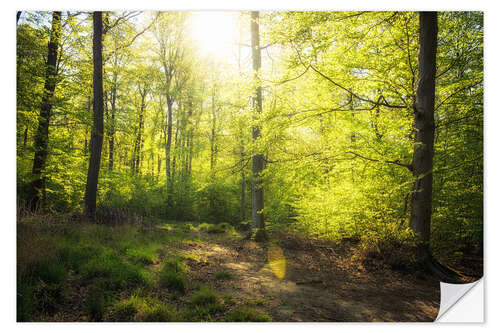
277	261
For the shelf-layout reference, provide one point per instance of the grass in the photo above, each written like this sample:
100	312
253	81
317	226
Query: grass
173	275
247	314
96	302
113	270
137	308
205	303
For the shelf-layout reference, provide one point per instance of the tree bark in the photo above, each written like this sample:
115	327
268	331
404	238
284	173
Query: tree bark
257	159
98	123
41	139
423	121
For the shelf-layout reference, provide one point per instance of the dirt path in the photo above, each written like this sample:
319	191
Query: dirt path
301	280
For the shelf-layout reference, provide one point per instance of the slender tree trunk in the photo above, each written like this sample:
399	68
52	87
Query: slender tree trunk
111	141
243	189
213	143
89	107
257	159
25	137
41	139
421	201
176	140
168	142
138	142
98	125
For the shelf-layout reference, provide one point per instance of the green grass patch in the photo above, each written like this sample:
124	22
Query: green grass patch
114	272
205	295
146	255
173	274
247	314
204	304
136	308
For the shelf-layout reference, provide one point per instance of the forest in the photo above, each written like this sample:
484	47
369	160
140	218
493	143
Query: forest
246	166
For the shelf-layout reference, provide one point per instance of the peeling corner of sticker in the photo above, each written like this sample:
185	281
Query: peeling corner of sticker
452	294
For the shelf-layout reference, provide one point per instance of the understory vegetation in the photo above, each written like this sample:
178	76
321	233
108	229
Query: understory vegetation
98	272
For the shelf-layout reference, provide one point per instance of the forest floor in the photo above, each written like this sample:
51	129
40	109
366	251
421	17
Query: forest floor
183	272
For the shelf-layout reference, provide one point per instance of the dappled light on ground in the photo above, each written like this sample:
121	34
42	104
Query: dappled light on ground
277	261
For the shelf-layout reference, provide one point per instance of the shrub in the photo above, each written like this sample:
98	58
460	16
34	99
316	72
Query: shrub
218	201
394	245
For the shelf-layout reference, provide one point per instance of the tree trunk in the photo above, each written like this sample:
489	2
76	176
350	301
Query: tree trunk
168	142
176	140
98	125
112	125
421	203
257	159
138	141
213	144
41	139
242	196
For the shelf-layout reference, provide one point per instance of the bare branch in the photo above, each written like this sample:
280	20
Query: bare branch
396	162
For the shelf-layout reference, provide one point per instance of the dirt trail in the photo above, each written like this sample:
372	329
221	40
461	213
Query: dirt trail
302	280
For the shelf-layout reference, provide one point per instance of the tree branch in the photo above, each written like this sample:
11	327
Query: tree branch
396	162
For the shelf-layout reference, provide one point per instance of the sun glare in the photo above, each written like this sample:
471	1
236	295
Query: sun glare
215	32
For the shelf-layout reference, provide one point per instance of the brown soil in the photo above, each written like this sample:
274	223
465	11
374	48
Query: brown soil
298	279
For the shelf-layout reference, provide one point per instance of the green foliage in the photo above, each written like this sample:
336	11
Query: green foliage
218	202
395	245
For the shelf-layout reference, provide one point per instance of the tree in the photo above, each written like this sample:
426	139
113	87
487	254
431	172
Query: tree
257	158
422	163
98	123
169	33
423	112
37	186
